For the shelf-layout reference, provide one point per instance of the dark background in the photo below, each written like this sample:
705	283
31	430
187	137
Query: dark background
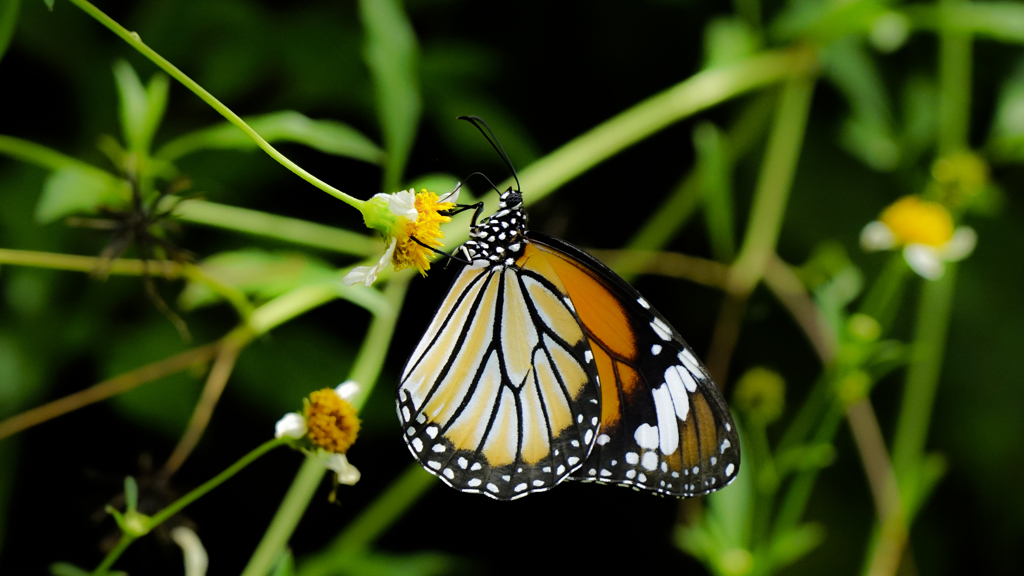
541	73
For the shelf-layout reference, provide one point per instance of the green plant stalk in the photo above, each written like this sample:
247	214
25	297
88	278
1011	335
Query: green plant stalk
179	504
74	263
774	185
295	502
367	368
266	225
954	87
113	555
933	315
135	41
675	211
162	516
883	299
698	92
794	503
373	521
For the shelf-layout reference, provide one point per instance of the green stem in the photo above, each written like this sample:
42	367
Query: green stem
676	210
74	263
162	516
373	521
882	301
39	155
774	184
955	87
267	225
113	555
365	371
700	91
133	39
287	517
928	349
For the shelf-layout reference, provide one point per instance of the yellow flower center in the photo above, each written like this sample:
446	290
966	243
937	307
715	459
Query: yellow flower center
332	422
426	229
916	221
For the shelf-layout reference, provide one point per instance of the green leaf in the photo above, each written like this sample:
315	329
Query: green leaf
714	167
326	136
392	55
131	494
65	568
257	273
868	133
49	4
285	565
391	564
1006	140
78	190
790	546
8	20
728	41
142	107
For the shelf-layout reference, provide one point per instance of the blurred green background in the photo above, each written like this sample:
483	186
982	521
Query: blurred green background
540	73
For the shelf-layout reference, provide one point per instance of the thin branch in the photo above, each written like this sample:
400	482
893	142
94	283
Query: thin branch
108	388
215	382
787	287
672	264
122	266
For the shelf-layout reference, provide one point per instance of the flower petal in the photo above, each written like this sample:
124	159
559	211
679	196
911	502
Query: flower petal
924	260
346	472
368	274
292	425
452	196
196	559
960	245
347	390
403	204
877	236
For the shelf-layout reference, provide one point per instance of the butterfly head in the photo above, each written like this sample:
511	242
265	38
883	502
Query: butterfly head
499	240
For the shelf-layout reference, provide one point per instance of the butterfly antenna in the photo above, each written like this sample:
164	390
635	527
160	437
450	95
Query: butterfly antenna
484	176
489	134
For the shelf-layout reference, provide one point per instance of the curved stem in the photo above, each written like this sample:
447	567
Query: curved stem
133	39
365	371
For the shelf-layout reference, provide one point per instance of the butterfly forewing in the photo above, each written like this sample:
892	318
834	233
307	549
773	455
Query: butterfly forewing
664	424
500	396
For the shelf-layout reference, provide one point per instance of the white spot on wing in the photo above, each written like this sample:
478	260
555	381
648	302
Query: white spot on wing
674	379
660	329
632	458
725	444
603	439
667	427
729	469
650	460
417	444
643	303
655	349
438	448
646	436
474	482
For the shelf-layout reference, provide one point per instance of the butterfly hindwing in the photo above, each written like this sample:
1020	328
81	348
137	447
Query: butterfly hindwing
664	424
500	396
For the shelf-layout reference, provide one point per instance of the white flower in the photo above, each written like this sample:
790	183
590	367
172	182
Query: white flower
292	425
196	559
347	390
925	232
368	274
347	473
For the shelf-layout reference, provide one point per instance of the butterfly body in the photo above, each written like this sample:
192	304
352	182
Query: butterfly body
543	365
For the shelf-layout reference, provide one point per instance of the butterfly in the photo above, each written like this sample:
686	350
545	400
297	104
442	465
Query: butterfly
542	364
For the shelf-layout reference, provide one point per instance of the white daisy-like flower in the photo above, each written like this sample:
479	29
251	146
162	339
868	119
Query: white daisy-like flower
291	425
925	232
410	224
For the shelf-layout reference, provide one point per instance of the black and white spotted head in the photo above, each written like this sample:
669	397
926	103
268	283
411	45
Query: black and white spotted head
499	239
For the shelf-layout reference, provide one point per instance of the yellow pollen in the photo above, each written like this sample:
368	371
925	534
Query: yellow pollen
426	229
916	221
332	421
